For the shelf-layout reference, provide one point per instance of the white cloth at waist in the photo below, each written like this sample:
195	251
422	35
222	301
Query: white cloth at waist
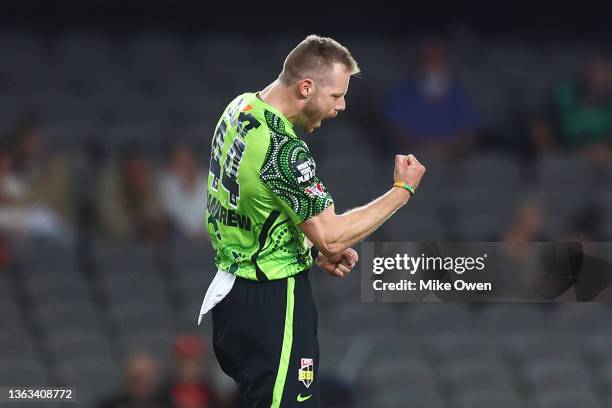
217	290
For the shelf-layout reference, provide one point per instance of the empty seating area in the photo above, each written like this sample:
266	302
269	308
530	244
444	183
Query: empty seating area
75	325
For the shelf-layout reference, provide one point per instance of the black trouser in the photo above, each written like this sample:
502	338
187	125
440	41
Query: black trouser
265	338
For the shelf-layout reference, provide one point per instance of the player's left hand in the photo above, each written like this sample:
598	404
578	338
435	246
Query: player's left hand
341	265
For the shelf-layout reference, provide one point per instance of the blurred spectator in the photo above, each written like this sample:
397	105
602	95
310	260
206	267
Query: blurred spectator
183	191
430	111
21	211
48	177
189	389
130	203
142	381
527	223
579	114
12	190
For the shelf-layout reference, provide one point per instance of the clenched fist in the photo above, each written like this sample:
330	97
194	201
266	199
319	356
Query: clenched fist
408	169
340	265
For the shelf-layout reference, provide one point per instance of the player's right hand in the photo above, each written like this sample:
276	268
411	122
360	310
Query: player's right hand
408	169
341	265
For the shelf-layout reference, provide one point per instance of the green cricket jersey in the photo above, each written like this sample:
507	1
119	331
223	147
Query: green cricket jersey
261	185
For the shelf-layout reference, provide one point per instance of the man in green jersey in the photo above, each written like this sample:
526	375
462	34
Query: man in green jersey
266	208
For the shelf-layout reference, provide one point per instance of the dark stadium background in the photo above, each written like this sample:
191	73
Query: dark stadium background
89	78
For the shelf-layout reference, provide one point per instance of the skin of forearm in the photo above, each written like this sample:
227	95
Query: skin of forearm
357	224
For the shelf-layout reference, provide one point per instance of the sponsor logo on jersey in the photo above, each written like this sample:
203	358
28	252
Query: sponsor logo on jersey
306	371
304	170
315	190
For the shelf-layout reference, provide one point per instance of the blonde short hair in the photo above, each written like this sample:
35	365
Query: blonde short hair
315	56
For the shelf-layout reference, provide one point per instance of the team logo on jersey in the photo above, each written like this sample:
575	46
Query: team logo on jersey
304	170
315	190
306	371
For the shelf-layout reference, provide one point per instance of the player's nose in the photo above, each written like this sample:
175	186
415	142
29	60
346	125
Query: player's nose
341	105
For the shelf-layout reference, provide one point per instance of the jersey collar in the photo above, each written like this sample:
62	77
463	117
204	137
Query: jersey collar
274	110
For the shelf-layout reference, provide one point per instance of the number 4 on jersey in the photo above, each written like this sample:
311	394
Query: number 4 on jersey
229	181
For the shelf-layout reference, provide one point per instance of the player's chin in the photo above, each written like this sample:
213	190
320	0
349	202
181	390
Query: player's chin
316	126
312	128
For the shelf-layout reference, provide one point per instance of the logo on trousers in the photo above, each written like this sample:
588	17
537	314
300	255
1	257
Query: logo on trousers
306	371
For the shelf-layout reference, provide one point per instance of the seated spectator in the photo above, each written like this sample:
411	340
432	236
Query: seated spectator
189	388
183	191
142	381
48	177
130	205
578	116
430	112
21	215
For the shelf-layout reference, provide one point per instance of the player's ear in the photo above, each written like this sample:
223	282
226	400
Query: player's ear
306	87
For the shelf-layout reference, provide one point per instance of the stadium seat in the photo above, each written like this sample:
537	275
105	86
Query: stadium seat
57	287
552	173
92	380
407	398
354	314
190	255
491	170
383	347
69	136
565	372
42	256
16	345
25	66
509	318
449	348
134	316
479	227
595	348
20	373
430	319
158	343
525	346
412	224
227	54
191	286
482	374
77	345
133	284
583	318
567	398
78	54
119	256
398	375
60	315
602	370
487	399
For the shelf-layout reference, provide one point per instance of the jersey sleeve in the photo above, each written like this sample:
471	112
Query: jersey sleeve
290	172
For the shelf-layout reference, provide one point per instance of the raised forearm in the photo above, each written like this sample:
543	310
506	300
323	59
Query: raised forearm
333	233
354	226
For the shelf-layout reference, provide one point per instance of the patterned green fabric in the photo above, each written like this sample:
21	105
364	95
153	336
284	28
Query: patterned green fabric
289	170
261	185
